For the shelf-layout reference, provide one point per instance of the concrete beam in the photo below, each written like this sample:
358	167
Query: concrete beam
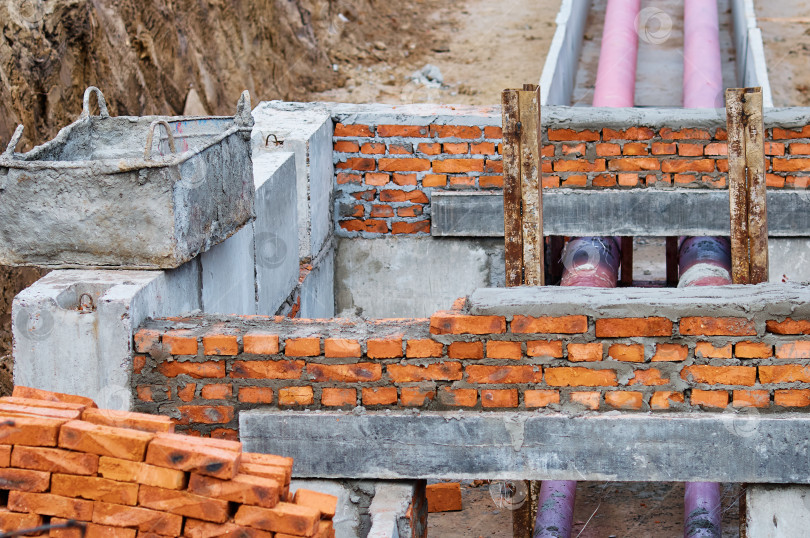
637	212
745	447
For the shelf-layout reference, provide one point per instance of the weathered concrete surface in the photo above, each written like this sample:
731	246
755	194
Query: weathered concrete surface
412	277
58	346
305	129
389	510
228	275
560	69
534	446
752	68
789	259
92	198
318	288
777	511
636	212
275	229
354	498
769	300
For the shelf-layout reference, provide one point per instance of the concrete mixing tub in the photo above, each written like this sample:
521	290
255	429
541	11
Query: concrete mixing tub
132	192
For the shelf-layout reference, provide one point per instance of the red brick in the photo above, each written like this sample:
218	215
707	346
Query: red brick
434	180
53	460
345	373
205	529
357	163
589	400
334	397
632	133
95	489
549	325
662	399
670	353
430	148
258	343
709	398
544	348
799	148
504	374
404	165
211	457
496	182
499	398
143	519
443	497
410	211
92	530
341	348
422	226
574	149
664	148
146	340
466	350
569	134
408	131
380	396
30	431
205	414
256	395
286	518
483	148
580	377
608	150
789	326
575	181
384	348
126	419
792	398
452	323
24	480
585	352
219	391
267	369
717	326
423	349
684	165
104	440
302	347
789	373
540	398
291	396
141	473
370	226
628	180
343	178
15	521
415	196
634	164
504	350
579	166
197	370
651	377
183	503
352	130
626	352
685	134
180	343
456	166
628	327
187	392
690	150
372	148
604	180
416	397
404	179
454	131
138	363
493	132
620	399
753	350
791	165
720	375
456	149
708	350
458	397
772	180
376	179
345	146
751	398
46	504
716	149
409	373
462	182
793	350
324	503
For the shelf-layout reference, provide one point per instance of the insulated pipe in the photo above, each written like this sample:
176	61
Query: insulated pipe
704	261
702	69
555	509
702	513
592	262
616	75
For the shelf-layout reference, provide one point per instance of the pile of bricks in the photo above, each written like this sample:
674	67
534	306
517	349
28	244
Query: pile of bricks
385	173
127	474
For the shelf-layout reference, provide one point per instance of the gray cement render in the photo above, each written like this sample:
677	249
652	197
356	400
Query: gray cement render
777	511
752	69
305	129
276	230
789	259
560	69
761	302
59	347
228	275
388	510
613	446
412	277
318	289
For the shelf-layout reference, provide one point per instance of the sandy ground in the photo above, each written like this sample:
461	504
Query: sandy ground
786	34
481	47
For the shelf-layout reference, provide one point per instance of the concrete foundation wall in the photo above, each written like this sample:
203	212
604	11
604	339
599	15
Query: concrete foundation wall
752	69
562	61
777	511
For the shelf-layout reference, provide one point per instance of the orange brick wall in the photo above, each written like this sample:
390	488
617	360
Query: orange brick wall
203	374
385	173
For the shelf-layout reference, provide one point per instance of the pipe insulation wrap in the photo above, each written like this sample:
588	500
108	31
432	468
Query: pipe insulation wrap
702	66
555	509
592	262
616	75
704	261
702	511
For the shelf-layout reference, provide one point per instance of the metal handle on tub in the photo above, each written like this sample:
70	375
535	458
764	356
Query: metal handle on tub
102	103
147	152
12	144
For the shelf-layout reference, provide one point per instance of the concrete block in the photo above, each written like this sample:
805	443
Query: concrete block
777	511
318	289
789	259
305	129
73	329
494	445
276	230
408	277
354	498
229	275
389	510
562	61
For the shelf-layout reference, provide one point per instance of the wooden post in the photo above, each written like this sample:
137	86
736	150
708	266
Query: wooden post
672	262
746	184
524	515
522	193
556	243
626	279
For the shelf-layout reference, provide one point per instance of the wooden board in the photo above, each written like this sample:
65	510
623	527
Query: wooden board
512	199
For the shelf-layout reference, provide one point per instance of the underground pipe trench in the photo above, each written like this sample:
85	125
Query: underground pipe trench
594	262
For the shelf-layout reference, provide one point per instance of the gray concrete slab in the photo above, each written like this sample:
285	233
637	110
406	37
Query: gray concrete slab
763	301
777	511
562	60
228	275
744	447
636	212
789	259
318	289
412	277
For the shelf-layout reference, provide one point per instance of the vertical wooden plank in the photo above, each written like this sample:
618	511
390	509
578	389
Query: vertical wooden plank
626	278
757	205
737	187
556	243
672	261
512	199
524	514
531	187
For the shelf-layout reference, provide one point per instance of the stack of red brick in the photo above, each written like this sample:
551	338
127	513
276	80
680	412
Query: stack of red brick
128	474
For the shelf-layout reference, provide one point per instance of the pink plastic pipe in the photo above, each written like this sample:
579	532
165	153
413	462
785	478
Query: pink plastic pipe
702	69
616	77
